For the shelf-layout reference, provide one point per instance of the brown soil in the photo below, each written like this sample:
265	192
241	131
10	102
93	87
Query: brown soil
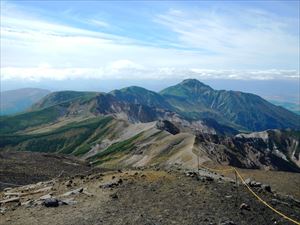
20	168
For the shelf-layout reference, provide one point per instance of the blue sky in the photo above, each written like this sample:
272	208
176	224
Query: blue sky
60	40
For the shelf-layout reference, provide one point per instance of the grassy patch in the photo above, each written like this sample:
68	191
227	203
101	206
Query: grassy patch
11	124
65	139
126	145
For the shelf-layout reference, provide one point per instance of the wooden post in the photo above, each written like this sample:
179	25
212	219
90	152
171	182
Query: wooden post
237	189
198	161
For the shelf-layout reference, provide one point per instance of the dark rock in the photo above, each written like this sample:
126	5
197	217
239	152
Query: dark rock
267	187
51	202
254	184
209	178
112	184
167	126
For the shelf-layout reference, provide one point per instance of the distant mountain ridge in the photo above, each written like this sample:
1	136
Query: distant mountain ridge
246	111
191	100
19	100
137	127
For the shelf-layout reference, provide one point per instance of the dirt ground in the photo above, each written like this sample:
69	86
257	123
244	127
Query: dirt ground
148	198
20	168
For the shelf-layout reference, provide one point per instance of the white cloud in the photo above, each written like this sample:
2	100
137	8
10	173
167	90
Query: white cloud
128	70
35	49
98	23
249	37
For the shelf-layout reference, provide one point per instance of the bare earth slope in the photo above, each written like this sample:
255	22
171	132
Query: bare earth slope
22	168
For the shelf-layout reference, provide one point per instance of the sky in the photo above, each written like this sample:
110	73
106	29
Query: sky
152	41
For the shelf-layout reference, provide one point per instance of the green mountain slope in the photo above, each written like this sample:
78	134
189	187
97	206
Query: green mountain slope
196	100
11	124
61	97
75	138
138	95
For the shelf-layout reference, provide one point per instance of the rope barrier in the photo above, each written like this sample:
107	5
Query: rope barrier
255	195
264	202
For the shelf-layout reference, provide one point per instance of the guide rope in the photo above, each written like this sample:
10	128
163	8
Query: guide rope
253	193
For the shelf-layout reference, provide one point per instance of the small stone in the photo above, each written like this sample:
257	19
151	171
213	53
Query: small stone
112	184
45	196
28	203
2	210
51	202
114	196
69	183
244	206
227	222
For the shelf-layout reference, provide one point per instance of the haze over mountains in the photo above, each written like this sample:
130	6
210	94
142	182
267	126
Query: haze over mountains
282	93
15	101
134	126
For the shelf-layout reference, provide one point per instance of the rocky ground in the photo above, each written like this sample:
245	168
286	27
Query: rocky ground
20	168
143	197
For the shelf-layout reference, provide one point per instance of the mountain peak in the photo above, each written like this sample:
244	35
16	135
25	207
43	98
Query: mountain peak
135	89
194	83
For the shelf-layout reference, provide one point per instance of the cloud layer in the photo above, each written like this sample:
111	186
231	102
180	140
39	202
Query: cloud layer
200	43
127	70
